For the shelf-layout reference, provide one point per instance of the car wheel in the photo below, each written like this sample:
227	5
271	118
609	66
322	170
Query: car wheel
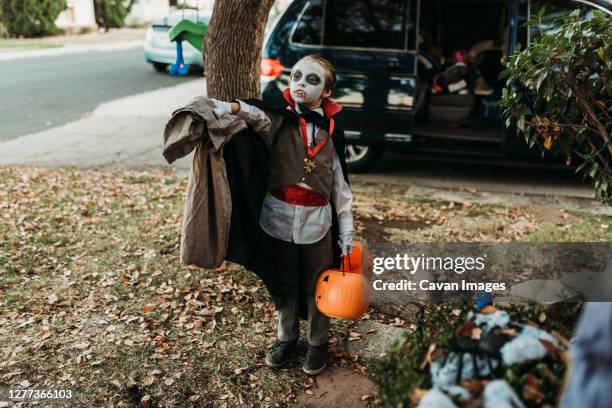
160	66
361	158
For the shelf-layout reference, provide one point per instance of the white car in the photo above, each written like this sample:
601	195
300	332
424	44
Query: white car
161	52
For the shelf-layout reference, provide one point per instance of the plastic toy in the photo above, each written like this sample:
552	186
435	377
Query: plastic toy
190	31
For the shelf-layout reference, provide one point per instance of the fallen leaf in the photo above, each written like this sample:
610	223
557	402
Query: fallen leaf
531	390
465	330
428	356
565	342
551	349
239	371
473	386
416	394
145	401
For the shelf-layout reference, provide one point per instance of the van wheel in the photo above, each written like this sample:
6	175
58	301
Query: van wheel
362	158
160	66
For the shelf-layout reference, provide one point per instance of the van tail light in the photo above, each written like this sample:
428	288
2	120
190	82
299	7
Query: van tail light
271	67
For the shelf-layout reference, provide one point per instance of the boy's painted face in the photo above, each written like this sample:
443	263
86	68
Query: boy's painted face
307	82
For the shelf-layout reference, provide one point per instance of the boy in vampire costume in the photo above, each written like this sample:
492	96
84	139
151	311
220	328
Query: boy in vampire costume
291	205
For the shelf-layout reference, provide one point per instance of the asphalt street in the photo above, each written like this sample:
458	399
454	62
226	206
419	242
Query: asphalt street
44	98
45	92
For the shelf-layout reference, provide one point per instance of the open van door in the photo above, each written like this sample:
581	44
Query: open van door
372	44
461	45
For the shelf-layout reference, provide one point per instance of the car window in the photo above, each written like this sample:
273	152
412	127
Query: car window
553	10
366	23
309	27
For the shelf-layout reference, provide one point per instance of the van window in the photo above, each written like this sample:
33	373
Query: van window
443	26
366	23
308	29
554	9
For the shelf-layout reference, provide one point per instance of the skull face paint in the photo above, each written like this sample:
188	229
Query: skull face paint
307	82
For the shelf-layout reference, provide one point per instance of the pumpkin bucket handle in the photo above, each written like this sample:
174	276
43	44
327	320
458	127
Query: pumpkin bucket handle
349	262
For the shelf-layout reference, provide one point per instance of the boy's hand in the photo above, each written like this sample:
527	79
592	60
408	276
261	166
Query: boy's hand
346	242
221	108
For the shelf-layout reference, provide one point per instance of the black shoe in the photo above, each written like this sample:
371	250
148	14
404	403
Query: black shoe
279	353
316	359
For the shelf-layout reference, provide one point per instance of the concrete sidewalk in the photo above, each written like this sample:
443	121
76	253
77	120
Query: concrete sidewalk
126	132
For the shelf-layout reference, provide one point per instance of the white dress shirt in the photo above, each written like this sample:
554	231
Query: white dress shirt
296	223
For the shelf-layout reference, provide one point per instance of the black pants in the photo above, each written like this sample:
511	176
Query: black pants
299	265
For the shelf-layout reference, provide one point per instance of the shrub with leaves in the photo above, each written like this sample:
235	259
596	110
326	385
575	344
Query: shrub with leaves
112	13
30	18
558	94
403	377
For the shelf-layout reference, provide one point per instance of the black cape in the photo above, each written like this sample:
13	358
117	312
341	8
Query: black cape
246	160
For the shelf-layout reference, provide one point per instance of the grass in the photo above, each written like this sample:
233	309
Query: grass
10	44
94	297
584	227
396	218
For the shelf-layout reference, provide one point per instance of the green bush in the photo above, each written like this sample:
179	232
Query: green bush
31	18
559	96
112	13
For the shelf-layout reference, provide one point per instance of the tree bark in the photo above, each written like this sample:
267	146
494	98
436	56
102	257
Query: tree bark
232	48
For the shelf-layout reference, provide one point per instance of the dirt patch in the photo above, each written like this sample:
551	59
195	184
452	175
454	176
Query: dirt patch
555	215
377	229
338	387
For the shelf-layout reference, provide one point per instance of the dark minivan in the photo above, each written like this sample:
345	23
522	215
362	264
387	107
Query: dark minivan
413	75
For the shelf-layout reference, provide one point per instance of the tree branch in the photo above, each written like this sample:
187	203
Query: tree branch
593	119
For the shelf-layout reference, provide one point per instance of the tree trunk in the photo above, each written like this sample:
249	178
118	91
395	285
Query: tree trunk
232	48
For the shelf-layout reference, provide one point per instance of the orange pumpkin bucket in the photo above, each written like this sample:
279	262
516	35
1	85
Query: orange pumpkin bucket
352	262
344	293
360	260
